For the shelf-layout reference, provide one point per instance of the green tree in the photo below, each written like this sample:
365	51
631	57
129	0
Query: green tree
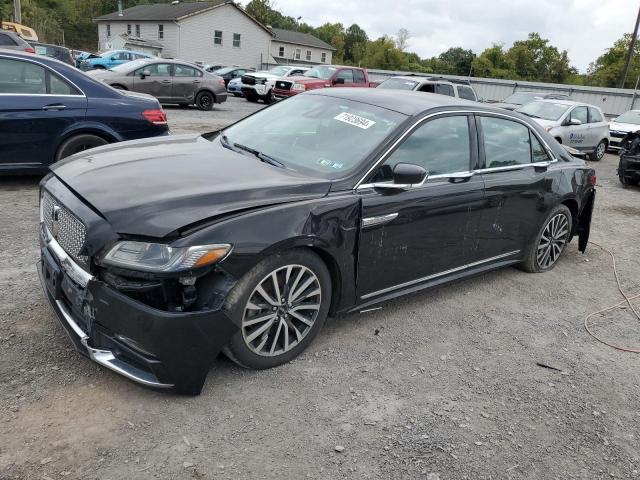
534	59
457	61
493	63
355	44
605	71
334	35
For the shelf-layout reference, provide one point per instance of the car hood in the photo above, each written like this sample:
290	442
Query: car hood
269	76
507	106
624	127
304	80
154	187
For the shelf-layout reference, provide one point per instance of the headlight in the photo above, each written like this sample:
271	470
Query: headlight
159	257
299	87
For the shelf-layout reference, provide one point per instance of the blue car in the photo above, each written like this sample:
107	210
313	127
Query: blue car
110	59
234	87
50	110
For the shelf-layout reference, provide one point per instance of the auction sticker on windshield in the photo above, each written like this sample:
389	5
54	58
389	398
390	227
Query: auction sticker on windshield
355	120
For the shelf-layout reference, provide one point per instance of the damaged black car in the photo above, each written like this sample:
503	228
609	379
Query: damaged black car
159	254
629	164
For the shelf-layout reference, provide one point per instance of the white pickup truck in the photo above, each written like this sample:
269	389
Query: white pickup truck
258	85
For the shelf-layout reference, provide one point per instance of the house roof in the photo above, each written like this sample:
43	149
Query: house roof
163	11
299	38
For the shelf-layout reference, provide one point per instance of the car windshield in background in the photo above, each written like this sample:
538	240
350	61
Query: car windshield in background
280	71
126	67
520	98
629	117
224	70
544	110
398	84
315	135
323	73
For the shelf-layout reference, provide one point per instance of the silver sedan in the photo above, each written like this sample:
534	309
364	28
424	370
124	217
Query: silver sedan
170	81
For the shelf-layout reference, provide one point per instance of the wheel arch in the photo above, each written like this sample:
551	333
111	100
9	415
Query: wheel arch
572	205
205	90
96	130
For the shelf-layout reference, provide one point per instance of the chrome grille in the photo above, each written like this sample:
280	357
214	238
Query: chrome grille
71	232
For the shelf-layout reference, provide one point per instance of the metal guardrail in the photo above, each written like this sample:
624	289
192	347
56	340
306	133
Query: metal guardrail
612	101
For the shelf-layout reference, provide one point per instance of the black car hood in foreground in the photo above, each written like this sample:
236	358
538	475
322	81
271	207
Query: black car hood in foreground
156	186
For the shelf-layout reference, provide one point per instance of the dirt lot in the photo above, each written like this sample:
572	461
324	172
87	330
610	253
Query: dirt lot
439	385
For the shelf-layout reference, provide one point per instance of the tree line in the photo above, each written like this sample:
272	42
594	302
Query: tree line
532	59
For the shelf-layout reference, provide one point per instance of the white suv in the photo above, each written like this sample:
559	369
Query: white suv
430	85
257	85
575	124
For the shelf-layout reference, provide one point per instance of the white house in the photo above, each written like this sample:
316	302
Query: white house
217	31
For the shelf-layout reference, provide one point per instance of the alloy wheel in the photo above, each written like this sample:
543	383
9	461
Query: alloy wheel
600	150
281	310
553	240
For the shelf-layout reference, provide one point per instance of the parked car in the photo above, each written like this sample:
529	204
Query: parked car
629	164
50	110
430	85
518	99
26	33
170	81
244	240
621	126
110	59
213	67
259	85
322	76
235	87
576	124
13	41
229	73
54	51
79	56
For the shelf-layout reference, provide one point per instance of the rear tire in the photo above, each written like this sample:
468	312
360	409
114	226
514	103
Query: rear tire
251	97
549	244
273	332
268	99
599	152
627	182
78	143
205	101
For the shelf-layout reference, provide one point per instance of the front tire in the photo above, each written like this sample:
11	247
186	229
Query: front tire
549	244
205	101
78	143
599	152
280	306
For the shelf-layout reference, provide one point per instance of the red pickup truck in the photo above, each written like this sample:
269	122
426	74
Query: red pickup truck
322	76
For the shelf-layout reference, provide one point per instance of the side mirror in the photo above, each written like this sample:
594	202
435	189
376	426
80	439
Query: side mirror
405	175
338	81
145	73
574	121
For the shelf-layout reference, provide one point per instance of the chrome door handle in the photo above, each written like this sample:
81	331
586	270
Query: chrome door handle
371	221
54	107
196	81
166	81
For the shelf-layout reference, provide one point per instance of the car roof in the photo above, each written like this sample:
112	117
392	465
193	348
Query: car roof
565	102
402	101
421	78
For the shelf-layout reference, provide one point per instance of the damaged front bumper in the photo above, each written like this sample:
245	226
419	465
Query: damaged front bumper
155	348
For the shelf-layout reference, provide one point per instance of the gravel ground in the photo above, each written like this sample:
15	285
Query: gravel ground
439	385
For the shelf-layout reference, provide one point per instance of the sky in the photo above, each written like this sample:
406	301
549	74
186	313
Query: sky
585	28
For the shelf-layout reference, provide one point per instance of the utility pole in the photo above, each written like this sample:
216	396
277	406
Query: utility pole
17	11
632	46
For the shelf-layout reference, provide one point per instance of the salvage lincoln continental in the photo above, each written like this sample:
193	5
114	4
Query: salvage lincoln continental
160	253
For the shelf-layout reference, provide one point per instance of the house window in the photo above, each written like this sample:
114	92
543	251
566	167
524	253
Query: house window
323	58
308	55
128	29
236	40
298	53
108	30
137	30
281	52
160	32
217	37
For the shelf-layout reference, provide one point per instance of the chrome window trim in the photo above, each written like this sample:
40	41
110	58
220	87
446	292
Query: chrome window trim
424	119
437	275
35	62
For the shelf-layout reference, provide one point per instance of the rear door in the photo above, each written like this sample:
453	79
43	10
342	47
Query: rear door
598	127
186	82
36	107
158	82
514	167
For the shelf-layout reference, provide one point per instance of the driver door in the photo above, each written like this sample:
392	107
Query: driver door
578	135
158	82
412	236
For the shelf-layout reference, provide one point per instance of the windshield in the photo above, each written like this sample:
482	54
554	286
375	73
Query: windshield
398	84
631	116
545	110
315	135
127	67
521	98
321	72
280	71
108	53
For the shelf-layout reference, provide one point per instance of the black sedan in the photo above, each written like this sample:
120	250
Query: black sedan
158	254
50	110
229	73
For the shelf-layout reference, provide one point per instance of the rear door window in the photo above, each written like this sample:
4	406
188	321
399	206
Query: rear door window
185	71
506	143
466	92
444	89
358	76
